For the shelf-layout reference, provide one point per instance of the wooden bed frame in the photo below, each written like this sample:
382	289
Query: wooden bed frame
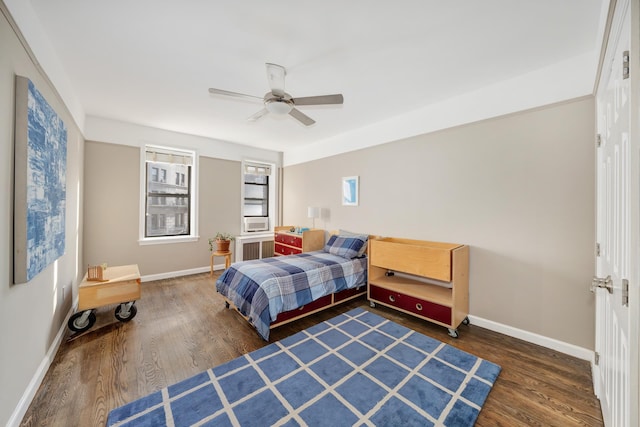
320	304
316	306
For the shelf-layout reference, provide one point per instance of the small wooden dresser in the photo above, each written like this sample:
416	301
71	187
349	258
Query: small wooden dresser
288	242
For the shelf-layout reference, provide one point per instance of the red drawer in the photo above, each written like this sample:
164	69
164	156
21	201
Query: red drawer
288	239
348	293
411	304
313	305
285	250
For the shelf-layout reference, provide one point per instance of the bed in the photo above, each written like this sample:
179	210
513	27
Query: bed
270	292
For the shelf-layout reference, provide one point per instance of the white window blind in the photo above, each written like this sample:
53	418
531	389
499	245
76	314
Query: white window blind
165	155
257	169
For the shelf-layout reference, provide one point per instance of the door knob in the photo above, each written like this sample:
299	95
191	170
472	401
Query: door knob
598	282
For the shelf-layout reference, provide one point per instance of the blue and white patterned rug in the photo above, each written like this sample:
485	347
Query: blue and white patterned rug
355	369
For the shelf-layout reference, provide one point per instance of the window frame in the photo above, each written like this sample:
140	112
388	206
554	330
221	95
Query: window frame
272	202
193	190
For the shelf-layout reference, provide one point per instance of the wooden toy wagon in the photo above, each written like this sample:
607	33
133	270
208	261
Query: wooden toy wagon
103	286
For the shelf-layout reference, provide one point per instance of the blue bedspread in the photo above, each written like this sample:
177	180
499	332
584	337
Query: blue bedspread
261	289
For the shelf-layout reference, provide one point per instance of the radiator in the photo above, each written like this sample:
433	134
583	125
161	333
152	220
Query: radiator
251	251
267	249
254	247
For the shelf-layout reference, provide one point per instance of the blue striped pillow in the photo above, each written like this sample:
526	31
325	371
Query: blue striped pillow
345	246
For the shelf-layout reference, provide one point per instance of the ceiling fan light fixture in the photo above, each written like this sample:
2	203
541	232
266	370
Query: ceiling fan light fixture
279	106
279	102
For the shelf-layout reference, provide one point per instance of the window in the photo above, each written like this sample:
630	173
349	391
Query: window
180	179
169	205
256	190
179	219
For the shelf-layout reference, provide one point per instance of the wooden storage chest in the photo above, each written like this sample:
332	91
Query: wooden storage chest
429	280
121	283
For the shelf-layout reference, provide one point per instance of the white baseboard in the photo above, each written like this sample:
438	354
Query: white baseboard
553	344
170	274
34	384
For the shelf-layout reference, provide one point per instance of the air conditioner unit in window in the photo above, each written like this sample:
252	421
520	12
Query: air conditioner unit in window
256	224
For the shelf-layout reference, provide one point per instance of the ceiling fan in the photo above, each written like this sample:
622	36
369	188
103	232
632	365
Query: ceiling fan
277	101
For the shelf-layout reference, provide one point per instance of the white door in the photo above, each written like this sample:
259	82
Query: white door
616	263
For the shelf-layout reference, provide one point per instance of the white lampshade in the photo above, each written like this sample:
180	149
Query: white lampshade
313	212
279	106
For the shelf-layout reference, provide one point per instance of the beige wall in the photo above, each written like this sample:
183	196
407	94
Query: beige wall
112	205
31	314
519	189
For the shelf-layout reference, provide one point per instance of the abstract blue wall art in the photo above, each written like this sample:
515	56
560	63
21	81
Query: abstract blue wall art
39	184
350	191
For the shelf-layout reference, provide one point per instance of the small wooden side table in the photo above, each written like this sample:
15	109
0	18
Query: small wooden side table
227	259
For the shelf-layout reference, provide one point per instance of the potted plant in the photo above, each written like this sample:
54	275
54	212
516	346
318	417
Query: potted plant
222	241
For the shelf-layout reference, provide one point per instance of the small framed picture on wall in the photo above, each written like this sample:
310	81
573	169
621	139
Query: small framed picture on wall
350	186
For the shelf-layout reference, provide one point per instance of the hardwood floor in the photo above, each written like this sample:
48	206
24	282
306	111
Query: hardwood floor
182	328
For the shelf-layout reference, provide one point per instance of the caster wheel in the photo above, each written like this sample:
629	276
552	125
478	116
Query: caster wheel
124	315
372	304
465	321
453	333
81	321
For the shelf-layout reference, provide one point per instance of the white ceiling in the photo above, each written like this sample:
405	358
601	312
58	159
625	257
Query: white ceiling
151	62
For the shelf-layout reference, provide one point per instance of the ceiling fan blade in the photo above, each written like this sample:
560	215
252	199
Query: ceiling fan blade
319	100
257	115
275	75
214	91
301	117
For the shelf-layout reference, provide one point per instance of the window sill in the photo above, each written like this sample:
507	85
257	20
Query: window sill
166	240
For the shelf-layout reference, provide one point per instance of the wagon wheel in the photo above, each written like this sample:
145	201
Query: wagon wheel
124	315
82	321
